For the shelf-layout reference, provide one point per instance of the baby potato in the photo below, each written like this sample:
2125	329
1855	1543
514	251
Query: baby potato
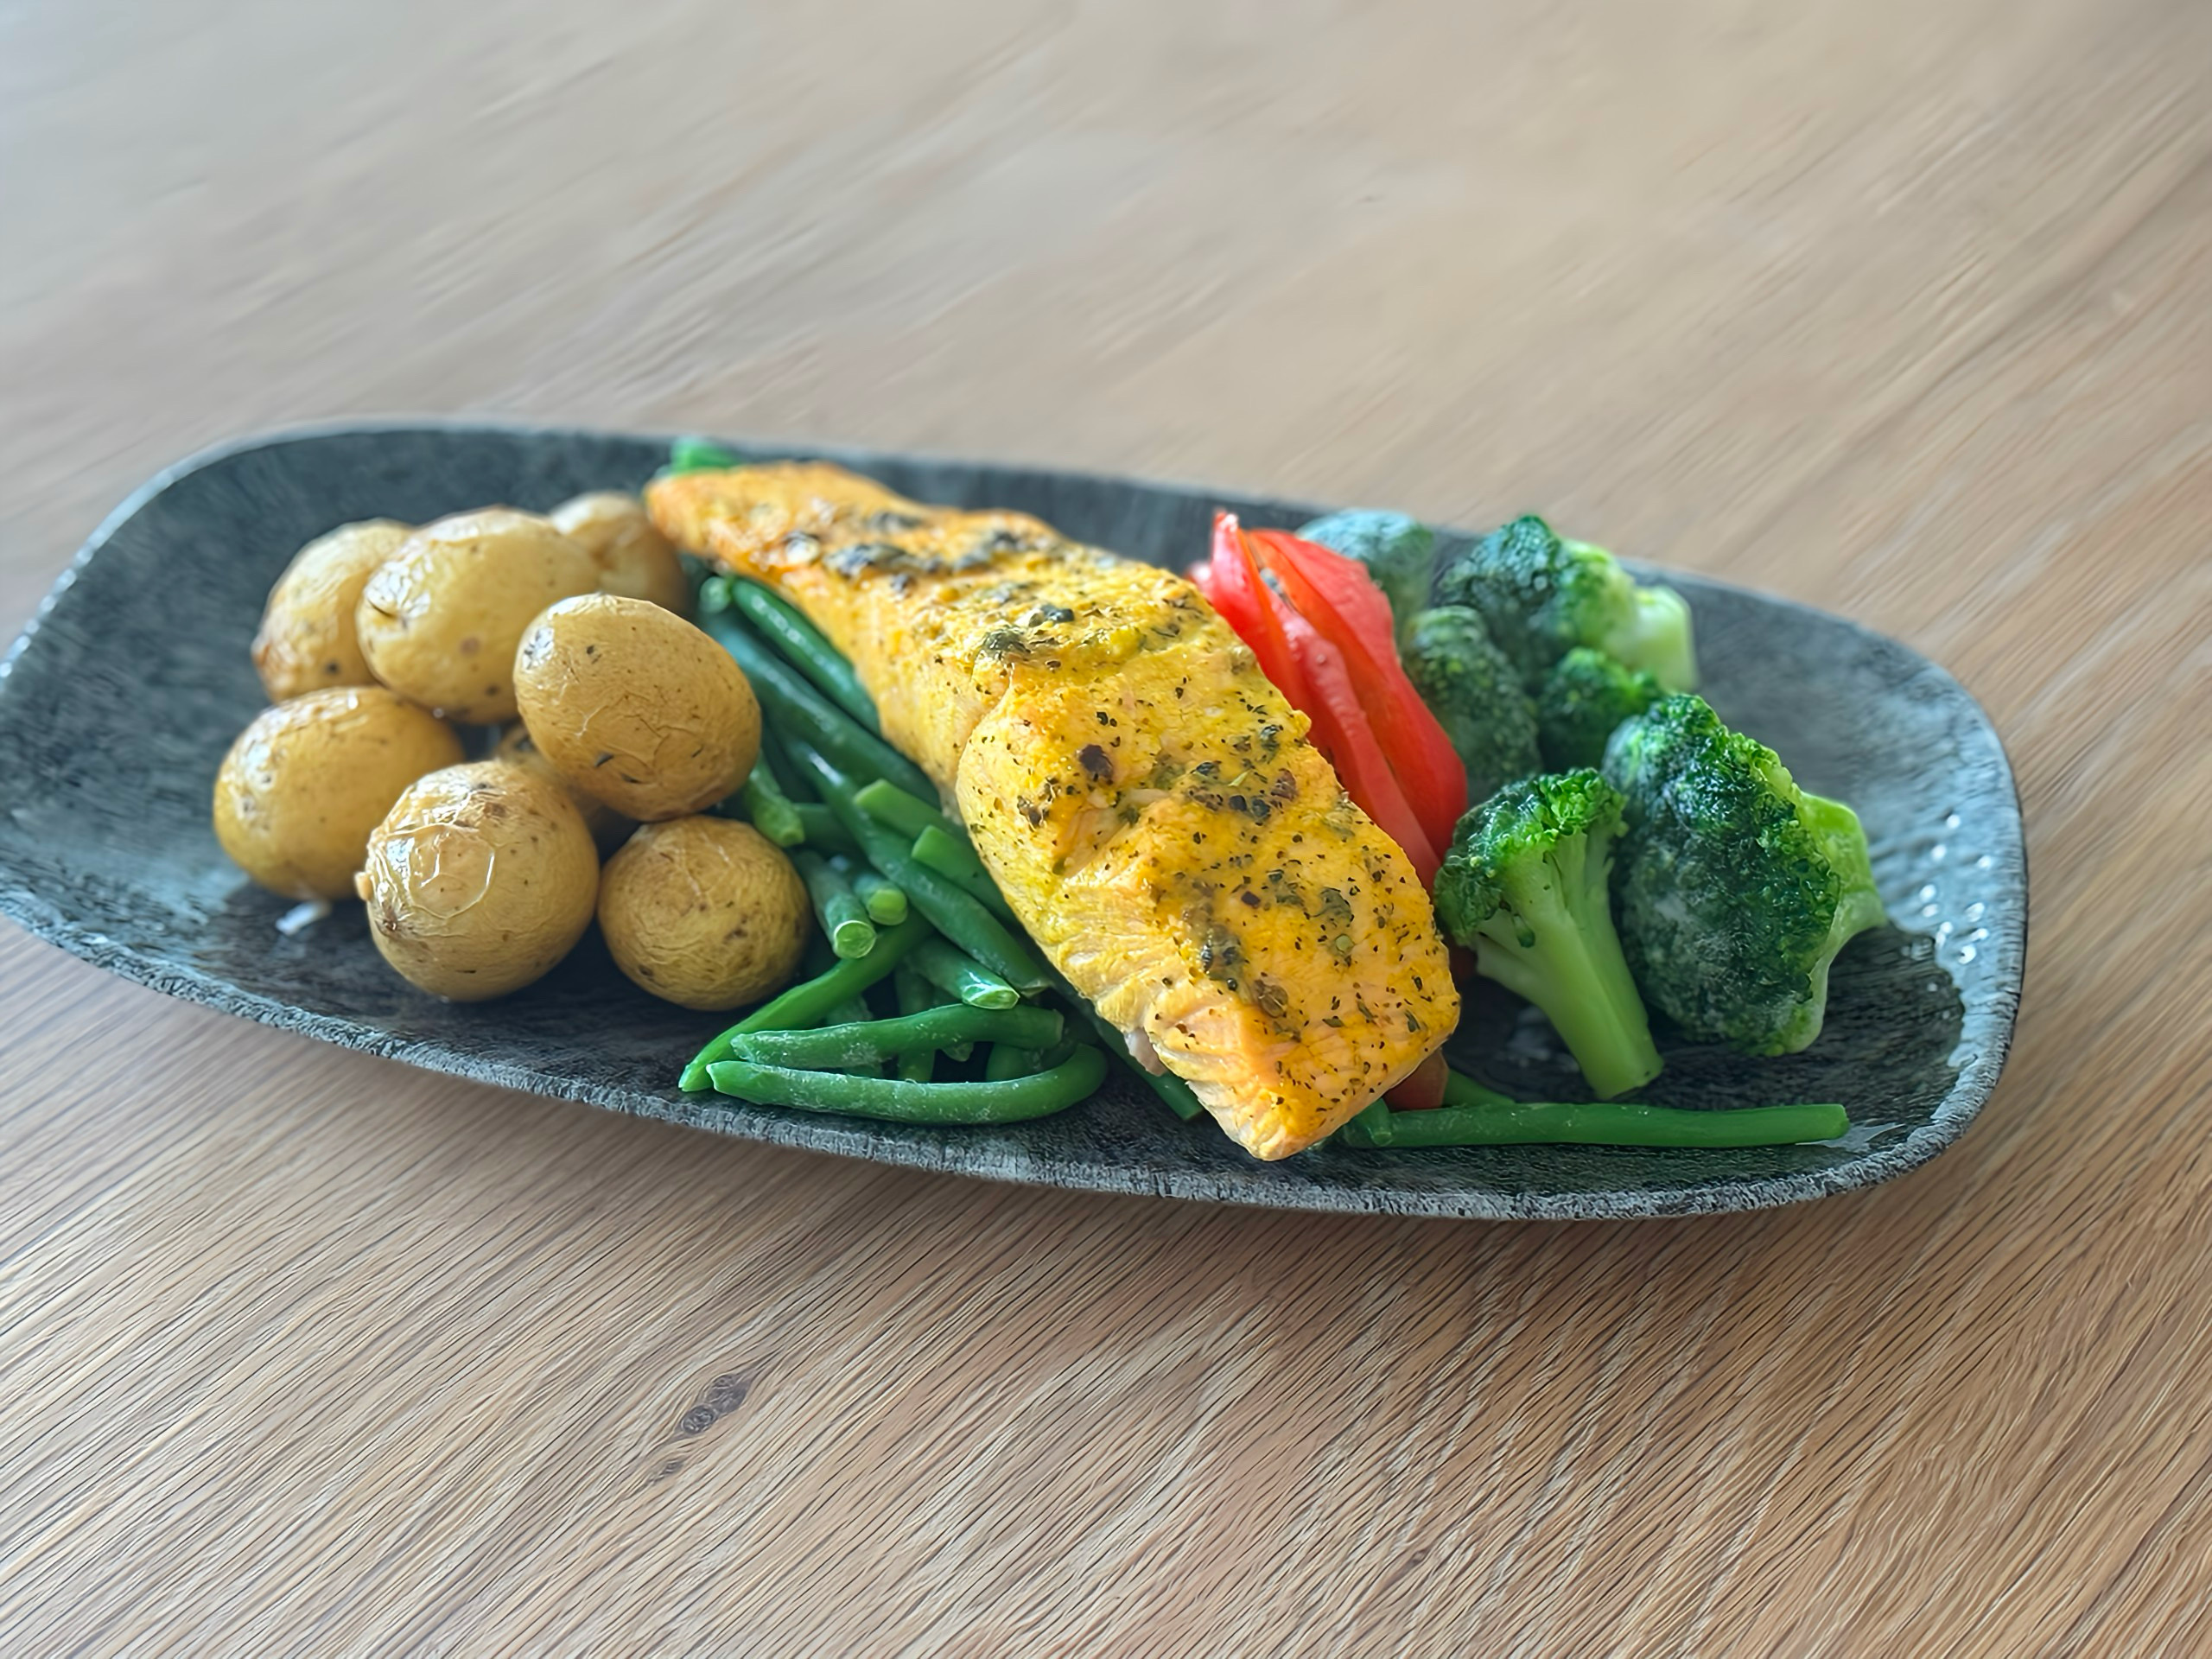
304	785
705	913
439	620
635	706
478	880
306	640
609	829
634	559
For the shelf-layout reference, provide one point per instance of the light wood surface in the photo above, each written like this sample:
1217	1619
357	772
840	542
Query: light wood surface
1902	308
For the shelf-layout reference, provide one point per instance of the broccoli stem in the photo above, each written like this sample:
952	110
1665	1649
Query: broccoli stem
1553	942
1656	638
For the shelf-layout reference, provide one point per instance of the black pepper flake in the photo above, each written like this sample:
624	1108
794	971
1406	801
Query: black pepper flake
1096	761
1248	897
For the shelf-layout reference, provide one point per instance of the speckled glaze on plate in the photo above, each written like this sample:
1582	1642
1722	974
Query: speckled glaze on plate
116	705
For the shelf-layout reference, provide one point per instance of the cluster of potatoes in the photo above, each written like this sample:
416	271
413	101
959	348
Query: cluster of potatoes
618	724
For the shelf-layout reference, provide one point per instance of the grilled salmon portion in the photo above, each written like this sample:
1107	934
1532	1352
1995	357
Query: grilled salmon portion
1145	798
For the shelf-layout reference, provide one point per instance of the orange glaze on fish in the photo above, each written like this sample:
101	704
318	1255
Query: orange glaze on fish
1145	798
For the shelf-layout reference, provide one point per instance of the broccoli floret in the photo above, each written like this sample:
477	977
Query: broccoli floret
1542	596
1400	554
1525	884
1475	695
1736	887
1585	696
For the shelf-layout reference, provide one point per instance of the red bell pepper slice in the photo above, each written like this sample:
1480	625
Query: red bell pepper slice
1335	595
1342	732
1351	593
1420	1090
1234	588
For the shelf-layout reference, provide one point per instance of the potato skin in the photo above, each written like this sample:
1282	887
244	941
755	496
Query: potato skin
306	640
305	784
634	559
609	829
705	913
480	879
439	620
635	706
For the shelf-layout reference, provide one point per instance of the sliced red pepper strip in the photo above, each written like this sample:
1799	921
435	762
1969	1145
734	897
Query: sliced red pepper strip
1334	593
1422	1089
1351	591
1341	731
1235	589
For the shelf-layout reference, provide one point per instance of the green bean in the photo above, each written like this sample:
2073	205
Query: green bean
952	970
808	1001
867	1040
1369	1126
909	815
935	996
886	901
770	809
1011	1060
900	1101
853	1011
699	455
823	831
799	711
959	916
836	906
805	650
1173	1092
1461	1089
713	595
1596	1123
1006	1061
790	777
955	862
914	993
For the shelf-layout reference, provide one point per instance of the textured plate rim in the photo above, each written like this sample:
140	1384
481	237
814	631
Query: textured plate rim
1974	1083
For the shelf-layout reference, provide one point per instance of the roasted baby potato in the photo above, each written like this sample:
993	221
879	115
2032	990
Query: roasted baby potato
300	790
634	559
307	641
479	880
635	706
439	620
609	829
705	912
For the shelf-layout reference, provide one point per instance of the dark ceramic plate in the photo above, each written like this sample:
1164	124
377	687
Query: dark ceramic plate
116	705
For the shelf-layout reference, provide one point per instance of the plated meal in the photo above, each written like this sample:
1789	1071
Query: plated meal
960	817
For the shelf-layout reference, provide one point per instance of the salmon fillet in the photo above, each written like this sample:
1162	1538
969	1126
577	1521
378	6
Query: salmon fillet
1143	796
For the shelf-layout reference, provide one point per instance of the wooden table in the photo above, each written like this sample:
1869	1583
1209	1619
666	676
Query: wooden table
1901	309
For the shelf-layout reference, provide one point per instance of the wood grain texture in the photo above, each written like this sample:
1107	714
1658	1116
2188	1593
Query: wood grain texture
1902	309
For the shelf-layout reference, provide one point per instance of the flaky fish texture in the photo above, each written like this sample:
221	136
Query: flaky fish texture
1145	798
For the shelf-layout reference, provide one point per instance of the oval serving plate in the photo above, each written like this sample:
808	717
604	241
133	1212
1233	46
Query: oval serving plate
119	700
